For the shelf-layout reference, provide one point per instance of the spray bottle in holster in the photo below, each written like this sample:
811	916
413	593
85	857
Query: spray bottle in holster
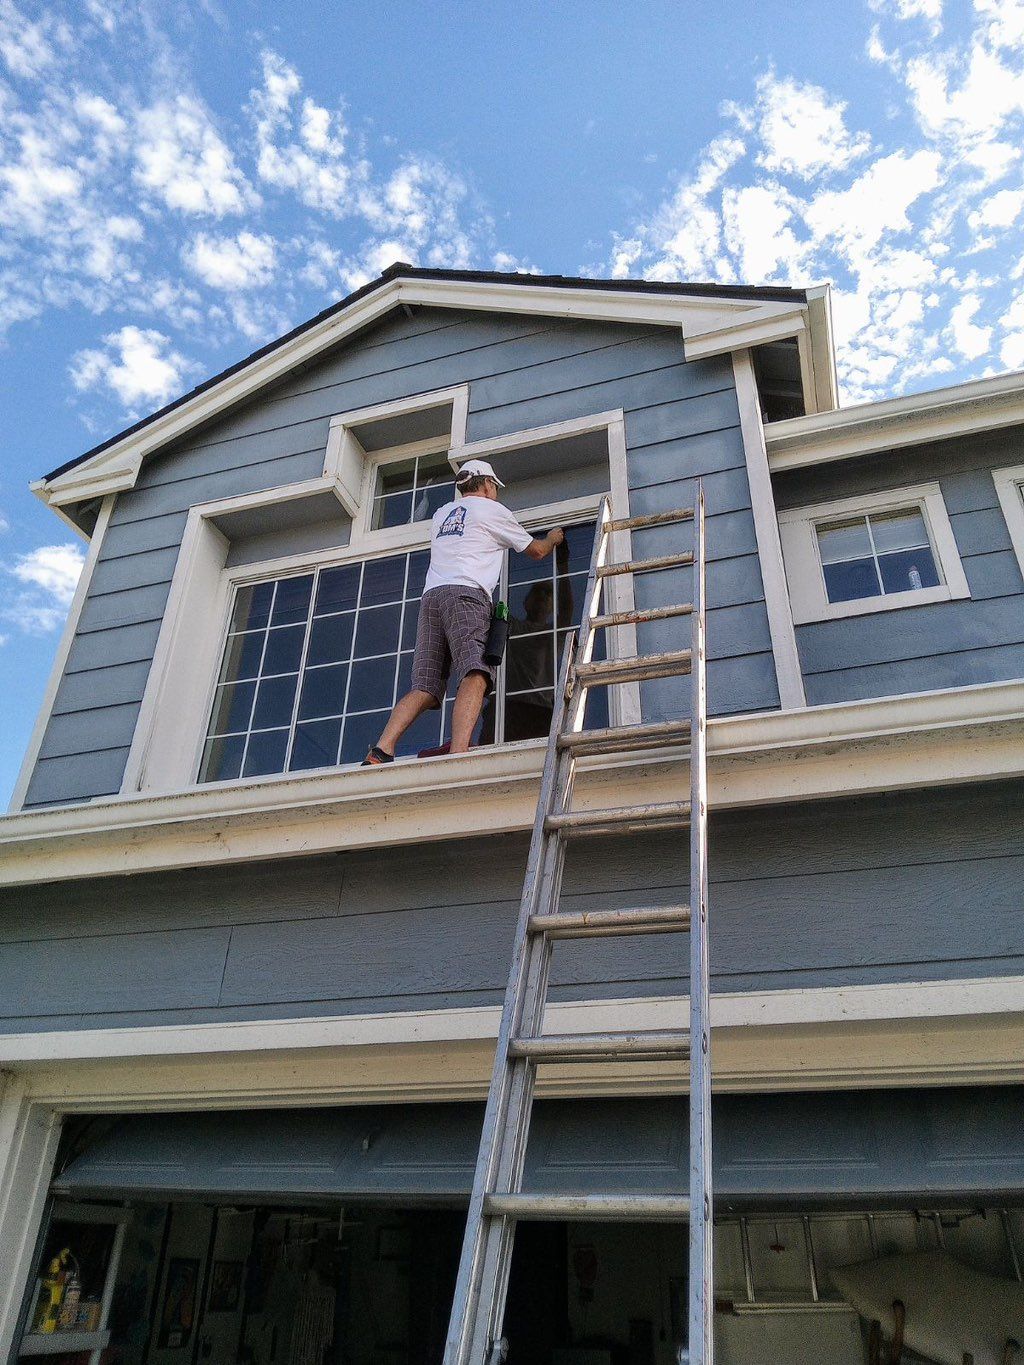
497	636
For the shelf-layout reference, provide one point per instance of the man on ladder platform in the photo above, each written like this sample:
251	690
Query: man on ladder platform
498	1201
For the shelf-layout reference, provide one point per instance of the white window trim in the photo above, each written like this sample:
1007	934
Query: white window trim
803	561
1009	484
416	536
167	745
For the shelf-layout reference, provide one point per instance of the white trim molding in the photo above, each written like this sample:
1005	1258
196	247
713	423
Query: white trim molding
710	325
925	739
61	657
961	409
1009	484
800	548
766	530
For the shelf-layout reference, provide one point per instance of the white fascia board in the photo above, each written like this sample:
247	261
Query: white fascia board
821	343
927	1032
742	333
700	317
979	405
927	739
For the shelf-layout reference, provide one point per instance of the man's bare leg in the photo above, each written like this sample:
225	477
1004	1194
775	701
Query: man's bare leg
407	709
469	702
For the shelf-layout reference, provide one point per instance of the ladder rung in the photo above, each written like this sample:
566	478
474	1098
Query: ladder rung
650	919
665	815
650	1045
651	519
640	668
640	615
610	1208
625	738
647	565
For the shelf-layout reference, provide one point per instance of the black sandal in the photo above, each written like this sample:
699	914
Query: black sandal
376	757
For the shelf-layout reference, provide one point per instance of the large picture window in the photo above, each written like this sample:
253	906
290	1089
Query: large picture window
314	661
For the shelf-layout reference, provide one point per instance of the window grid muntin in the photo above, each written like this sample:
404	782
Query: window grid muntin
829	523
399	654
380	498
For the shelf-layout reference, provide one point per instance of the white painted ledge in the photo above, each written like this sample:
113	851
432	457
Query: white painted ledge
935	1032
926	739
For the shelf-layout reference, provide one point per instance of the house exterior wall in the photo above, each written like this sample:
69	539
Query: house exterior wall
890	888
681	421
978	639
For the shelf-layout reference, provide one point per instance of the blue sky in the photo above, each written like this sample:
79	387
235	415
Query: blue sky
180	183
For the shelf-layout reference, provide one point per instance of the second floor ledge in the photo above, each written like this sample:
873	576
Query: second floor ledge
891	743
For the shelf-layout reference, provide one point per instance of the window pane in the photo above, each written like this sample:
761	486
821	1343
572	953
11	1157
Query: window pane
330	639
397	477
316	745
908	569
275	698
252	606
852	579
373	684
569	599
361	733
232	707
377	631
531	606
292	601
434	469
337	589
424	733
323	692
418	565
242	656
404	674
428	500
899	530
530	666
844	540
222	759
523	570
410	618
383	581
265	753
580	543
284	650
395	510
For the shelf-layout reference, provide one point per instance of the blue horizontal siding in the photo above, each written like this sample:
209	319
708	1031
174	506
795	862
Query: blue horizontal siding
682	421
918	886
960	643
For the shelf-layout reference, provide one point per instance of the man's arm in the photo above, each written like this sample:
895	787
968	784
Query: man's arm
540	549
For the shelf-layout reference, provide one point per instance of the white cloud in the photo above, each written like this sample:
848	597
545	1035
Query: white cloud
47	577
970	340
182	158
30	49
877	202
136	364
911	9
802	130
53	568
1000	210
243	262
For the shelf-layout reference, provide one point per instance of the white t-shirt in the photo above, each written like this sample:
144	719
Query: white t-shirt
467	540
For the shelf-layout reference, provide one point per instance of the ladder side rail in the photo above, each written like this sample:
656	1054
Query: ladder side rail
486	1249
701	1341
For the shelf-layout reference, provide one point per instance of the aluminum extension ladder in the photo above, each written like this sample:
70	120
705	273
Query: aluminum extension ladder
497	1200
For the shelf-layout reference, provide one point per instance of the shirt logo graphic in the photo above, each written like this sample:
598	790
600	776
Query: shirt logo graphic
454	523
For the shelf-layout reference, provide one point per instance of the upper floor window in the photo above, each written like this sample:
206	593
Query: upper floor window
870	556
313	662
411	490
872	553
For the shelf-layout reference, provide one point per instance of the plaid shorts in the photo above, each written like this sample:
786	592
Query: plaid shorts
451	636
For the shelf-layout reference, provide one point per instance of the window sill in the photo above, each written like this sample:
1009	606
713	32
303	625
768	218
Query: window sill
873	606
960	735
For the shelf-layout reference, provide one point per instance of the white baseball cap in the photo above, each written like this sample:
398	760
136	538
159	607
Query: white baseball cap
476	469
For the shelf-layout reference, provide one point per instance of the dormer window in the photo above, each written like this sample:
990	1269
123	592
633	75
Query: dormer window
411	490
